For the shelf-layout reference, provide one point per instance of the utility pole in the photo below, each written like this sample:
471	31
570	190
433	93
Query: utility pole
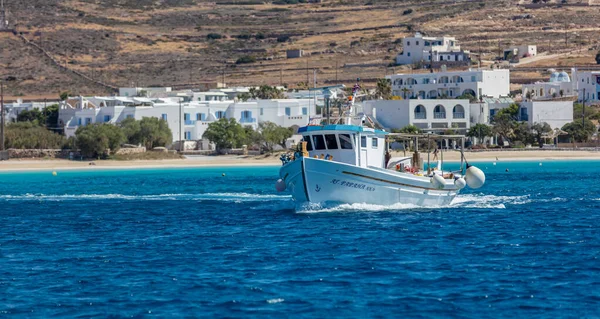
2	111
314	78
180	125
583	111
307	73
336	72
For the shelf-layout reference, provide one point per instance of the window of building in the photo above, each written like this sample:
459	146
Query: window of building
318	142
331	141
261	111
186	116
106	118
220	114
304	111
363	141
407	43
408	54
88	120
417	42
79	121
129	116
188	135
164	116
288	111
374	142
200	116
473	78
345	142
306	139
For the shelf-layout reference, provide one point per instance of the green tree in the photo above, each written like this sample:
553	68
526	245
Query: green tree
96	140
503	126
522	133
225	133
383	89
64	95
273	134
467	96
590	112
578	132
266	92
244	96
409	129
27	135
252	137
540	129
34	116
480	131
512	111
151	132
51	115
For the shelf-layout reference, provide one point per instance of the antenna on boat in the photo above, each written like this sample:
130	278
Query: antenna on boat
328	91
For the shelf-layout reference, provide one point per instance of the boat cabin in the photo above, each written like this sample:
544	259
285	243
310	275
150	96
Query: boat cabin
350	144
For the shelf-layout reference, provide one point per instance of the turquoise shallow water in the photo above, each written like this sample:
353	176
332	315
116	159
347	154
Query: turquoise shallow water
192	243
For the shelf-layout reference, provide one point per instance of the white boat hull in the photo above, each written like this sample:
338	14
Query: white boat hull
321	181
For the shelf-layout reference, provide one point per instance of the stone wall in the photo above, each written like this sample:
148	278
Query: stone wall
132	150
3	155
40	153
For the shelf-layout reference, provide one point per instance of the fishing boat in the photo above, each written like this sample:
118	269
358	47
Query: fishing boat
348	162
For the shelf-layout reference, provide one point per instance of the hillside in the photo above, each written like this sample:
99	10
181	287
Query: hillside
168	42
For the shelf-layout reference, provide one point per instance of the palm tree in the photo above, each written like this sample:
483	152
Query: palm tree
404	91
383	90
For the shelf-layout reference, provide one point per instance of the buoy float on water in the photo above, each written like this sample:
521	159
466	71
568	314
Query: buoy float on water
54	173
474	177
280	185
437	181
460	183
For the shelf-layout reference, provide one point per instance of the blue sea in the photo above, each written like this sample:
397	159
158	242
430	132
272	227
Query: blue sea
221	242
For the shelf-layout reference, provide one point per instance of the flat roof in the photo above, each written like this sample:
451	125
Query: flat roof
339	127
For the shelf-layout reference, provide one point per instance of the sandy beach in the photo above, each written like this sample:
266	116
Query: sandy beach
273	160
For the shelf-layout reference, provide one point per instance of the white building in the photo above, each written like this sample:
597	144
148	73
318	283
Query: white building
187	121
144	92
12	110
560	85
431	49
555	113
588	81
522	51
428	115
492	83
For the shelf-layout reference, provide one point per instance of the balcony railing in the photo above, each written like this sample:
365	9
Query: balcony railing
458	115
420	115
190	122
439	115
247	120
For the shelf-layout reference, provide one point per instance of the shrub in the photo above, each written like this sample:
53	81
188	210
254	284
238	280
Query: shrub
283	38
214	36
97	140
246	59
407	11
27	135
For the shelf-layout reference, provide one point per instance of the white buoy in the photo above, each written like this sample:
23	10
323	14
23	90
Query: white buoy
280	185
474	177
437	181
540	164
460	183
494	163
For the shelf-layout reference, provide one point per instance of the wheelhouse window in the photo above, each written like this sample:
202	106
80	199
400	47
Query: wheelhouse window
363	141
306	139
318	142
374	142
345	142
331	142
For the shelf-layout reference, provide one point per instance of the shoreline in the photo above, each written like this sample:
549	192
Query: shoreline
225	161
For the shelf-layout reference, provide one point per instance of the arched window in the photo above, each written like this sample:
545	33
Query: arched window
420	112
439	112
458	112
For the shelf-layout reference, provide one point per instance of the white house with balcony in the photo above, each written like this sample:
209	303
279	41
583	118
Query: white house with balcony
588	81
431	49
428	115
187	120
451	84
560	85
12	110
